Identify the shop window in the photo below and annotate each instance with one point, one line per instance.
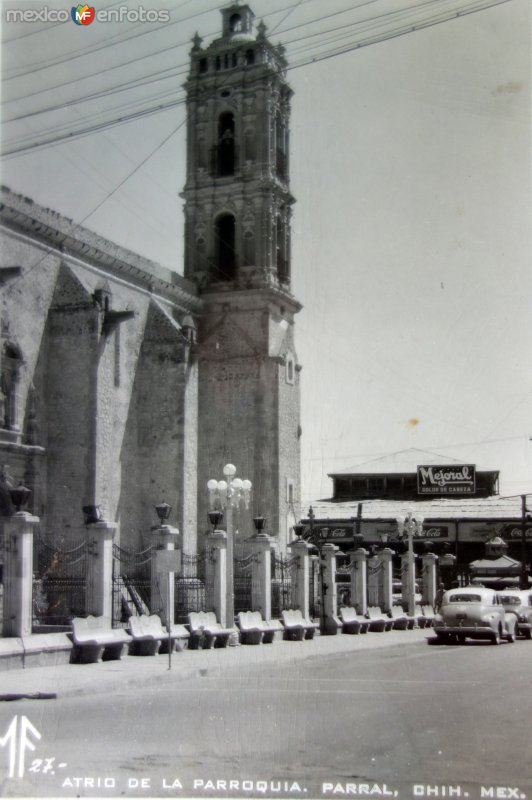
(375, 487)
(342, 487)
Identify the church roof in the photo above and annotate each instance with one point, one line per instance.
(402, 462)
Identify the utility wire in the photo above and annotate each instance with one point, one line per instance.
(22, 146)
(113, 41)
(143, 57)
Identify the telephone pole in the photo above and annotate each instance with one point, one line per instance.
(524, 572)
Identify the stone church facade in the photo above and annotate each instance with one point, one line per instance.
(123, 384)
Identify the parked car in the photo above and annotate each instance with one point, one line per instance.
(519, 603)
(473, 612)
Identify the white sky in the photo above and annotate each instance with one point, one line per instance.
(410, 162)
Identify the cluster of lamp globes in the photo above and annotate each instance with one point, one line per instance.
(229, 492)
(410, 524)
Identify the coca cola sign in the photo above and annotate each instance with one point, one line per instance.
(446, 479)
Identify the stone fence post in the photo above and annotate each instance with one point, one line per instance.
(18, 573)
(100, 573)
(164, 538)
(387, 579)
(330, 601)
(261, 574)
(216, 574)
(429, 561)
(359, 579)
(301, 549)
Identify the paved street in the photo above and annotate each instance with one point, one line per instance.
(416, 720)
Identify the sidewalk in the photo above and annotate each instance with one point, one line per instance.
(75, 679)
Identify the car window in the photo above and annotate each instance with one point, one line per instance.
(509, 600)
(464, 598)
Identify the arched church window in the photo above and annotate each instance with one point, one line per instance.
(9, 381)
(280, 154)
(226, 144)
(203, 65)
(217, 63)
(235, 23)
(234, 60)
(250, 57)
(281, 251)
(225, 266)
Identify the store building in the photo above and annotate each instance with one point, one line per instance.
(460, 504)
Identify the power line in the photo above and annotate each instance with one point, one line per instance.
(143, 57)
(114, 40)
(111, 41)
(21, 147)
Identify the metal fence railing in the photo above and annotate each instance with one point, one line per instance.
(283, 583)
(60, 570)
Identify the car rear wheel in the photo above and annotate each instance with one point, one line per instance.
(528, 634)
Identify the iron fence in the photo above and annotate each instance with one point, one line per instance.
(375, 577)
(193, 587)
(284, 572)
(242, 582)
(60, 570)
(132, 586)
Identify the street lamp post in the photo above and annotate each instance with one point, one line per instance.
(227, 495)
(525, 518)
(318, 537)
(412, 526)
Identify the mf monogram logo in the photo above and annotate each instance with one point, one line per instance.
(18, 740)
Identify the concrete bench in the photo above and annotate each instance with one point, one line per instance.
(150, 637)
(296, 627)
(400, 619)
(206, 631)
(352, 622)
(377, 620)
(428, 615)
(95, 639)
(420, 620)
(254, 629)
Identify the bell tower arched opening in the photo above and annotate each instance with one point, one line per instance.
(225, 255)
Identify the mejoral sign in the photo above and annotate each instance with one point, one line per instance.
(445, 479)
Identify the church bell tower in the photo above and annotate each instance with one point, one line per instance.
(237, 249)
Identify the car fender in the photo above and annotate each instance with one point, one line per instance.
(510, 621)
